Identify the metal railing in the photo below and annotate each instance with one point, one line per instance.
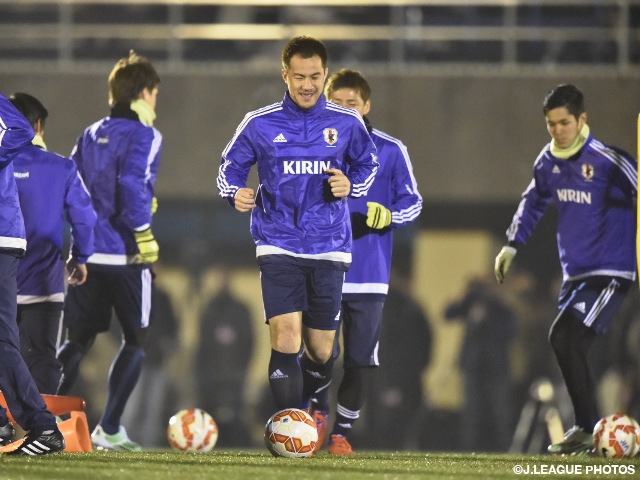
(508, 36)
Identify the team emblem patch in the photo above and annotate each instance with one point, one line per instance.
(330, 135)
(587, 171)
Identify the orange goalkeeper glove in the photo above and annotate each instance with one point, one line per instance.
(378, 216)
(147, 246)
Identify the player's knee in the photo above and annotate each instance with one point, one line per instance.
(285, 341)
(139, 338)
(320, 355)
(81, 338)
(560, 332)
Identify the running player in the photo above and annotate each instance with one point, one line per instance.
(299, 216)
(593, 187)
(392, 202)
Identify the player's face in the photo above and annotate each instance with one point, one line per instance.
(348, 97)
(564, 127)
(150, 96)
(305, 80)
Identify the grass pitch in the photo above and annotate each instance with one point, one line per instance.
(259, 464)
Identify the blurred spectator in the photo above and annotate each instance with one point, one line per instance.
(222, 362)
(487, 417)
(532, 355)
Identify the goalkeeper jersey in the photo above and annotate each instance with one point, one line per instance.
(396, 189)
(295, 213)
(118, 159)
(50, 190)
(594, 193)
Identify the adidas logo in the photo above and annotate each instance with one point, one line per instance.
(278, 374)
(555, 169)
(317, 375)
(280, 138)
(581, 307)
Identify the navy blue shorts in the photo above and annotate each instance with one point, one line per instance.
(361, 323)
(594, 300)
(315, 290)
(125, 290)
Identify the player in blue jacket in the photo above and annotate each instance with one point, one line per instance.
(302, 148)
(50, 189)
(118, 159)
(16, 383)
(392, 202)
(593, 187)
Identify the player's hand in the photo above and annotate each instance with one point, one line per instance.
(77, 272)
(245, 199)
(339, 182)
(503, 262)
(147, 246)
(378, 216)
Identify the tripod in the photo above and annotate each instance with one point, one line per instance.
(539, 420)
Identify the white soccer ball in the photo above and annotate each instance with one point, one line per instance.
(192, 430)
(291, 433)
(617, 436)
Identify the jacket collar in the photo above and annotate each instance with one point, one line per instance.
(294, 110)
(123, 110)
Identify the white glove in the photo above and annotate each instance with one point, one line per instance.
(503, 262)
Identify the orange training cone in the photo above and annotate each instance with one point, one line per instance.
(56, 404)
(76, 433)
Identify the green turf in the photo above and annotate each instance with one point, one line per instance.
(258, 464)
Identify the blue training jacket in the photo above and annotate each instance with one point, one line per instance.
(15, 133)
(396, 189)
(593, 192)
(118, 159)
(292, 147)
(50, 189)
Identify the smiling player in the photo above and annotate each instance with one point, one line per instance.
(302, 147)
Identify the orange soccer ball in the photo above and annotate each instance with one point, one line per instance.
(291, 433)
(617, 436)
(192, 430)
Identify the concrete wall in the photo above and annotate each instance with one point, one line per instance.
(471, 139)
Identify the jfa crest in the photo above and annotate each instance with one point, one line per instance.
(587, 171)
(330, 135)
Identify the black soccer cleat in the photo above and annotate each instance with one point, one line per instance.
(49, 441)
(6, 433)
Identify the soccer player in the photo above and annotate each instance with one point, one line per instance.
(118, 159)
(16, 383)
(302, 147)
(392, 202)
(593, 186)
(49, 188)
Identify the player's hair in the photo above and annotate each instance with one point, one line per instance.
(567, 96)
(345, 78)
(129, 77)
(30, 107)
(306, 47)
